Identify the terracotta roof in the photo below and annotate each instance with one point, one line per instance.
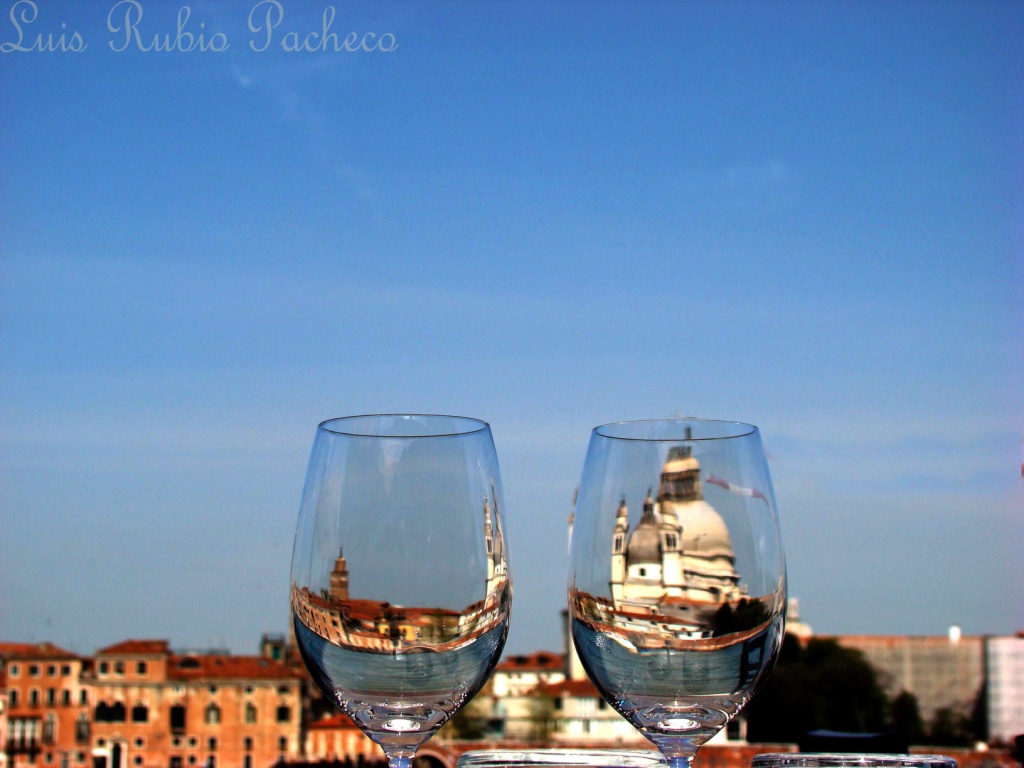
(541, 661)
(339, 721)
(581, 689)
(30, 651)
(227, 668)
(136, 647)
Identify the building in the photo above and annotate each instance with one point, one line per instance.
(337, 739)
(942, 672)
(47, 707)
(514, 690)
(155, 708)
(1004, 666)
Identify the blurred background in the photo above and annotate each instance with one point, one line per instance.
(807, 216)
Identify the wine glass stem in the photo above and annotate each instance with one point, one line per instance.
(680, 762)
(399, 761)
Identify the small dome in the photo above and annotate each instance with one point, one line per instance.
(644, 544)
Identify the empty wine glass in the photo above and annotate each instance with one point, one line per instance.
(848, 760)
(677, 584)
(400, 591)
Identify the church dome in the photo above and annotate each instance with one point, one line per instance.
(704, 532)
(644, 544)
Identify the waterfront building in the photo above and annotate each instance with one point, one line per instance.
(155, 708)
(942, 671)
(337, 739)
(1004, 666)
(513, 691)
(47, 707)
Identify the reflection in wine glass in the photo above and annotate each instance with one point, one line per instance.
(677, 612)
(400, 587)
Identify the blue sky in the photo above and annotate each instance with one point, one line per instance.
(548, 215)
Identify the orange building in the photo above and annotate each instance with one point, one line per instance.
(47, 707)
(338, 739)
(158, 709)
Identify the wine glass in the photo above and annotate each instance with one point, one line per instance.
(677, 584)
(400, 590)
(848, 760)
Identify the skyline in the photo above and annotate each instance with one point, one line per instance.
(806, 217)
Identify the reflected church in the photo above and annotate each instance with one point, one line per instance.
(379, 627)
(678, 562)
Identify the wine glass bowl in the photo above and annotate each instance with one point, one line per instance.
(677, 586)
(400, 590)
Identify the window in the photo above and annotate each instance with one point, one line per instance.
(247, 743)
(178, 719)
(176, 761)
(12, 698)
(82, 729)
(49, 729)
(33, 697)
(51, 696)
(283, 690)
(211, 761)
(211, 744)
(104, 667)
(282, 744)
(250, 714)
(140, 668)
(247, 762)
(284, 714)
(139, 742)
(110, 713)
(83, 697)
(15, 670)
(137, 760)
(80, 757)
(212, 714)
(213, 689)
(191, 759)
(140, 714)
(51, 670)
(33, 670)
(65, 697)
(65, 669)
(48, 758)
(118, 667)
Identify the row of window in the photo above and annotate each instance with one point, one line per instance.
(118, 713)
(14, 670)
(27, 728)
(176, 760)
(104, 667)
(53, 696)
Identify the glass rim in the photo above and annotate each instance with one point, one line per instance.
(335, 426)
(739, 429)
(611, 758)
(840, 759)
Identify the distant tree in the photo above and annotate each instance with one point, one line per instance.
(469, 723)
(818, 686)
(748, 614)
(950, 728)
(542, 717)
(905, 718)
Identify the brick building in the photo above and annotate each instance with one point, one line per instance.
(156, 708)
(47, 707)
